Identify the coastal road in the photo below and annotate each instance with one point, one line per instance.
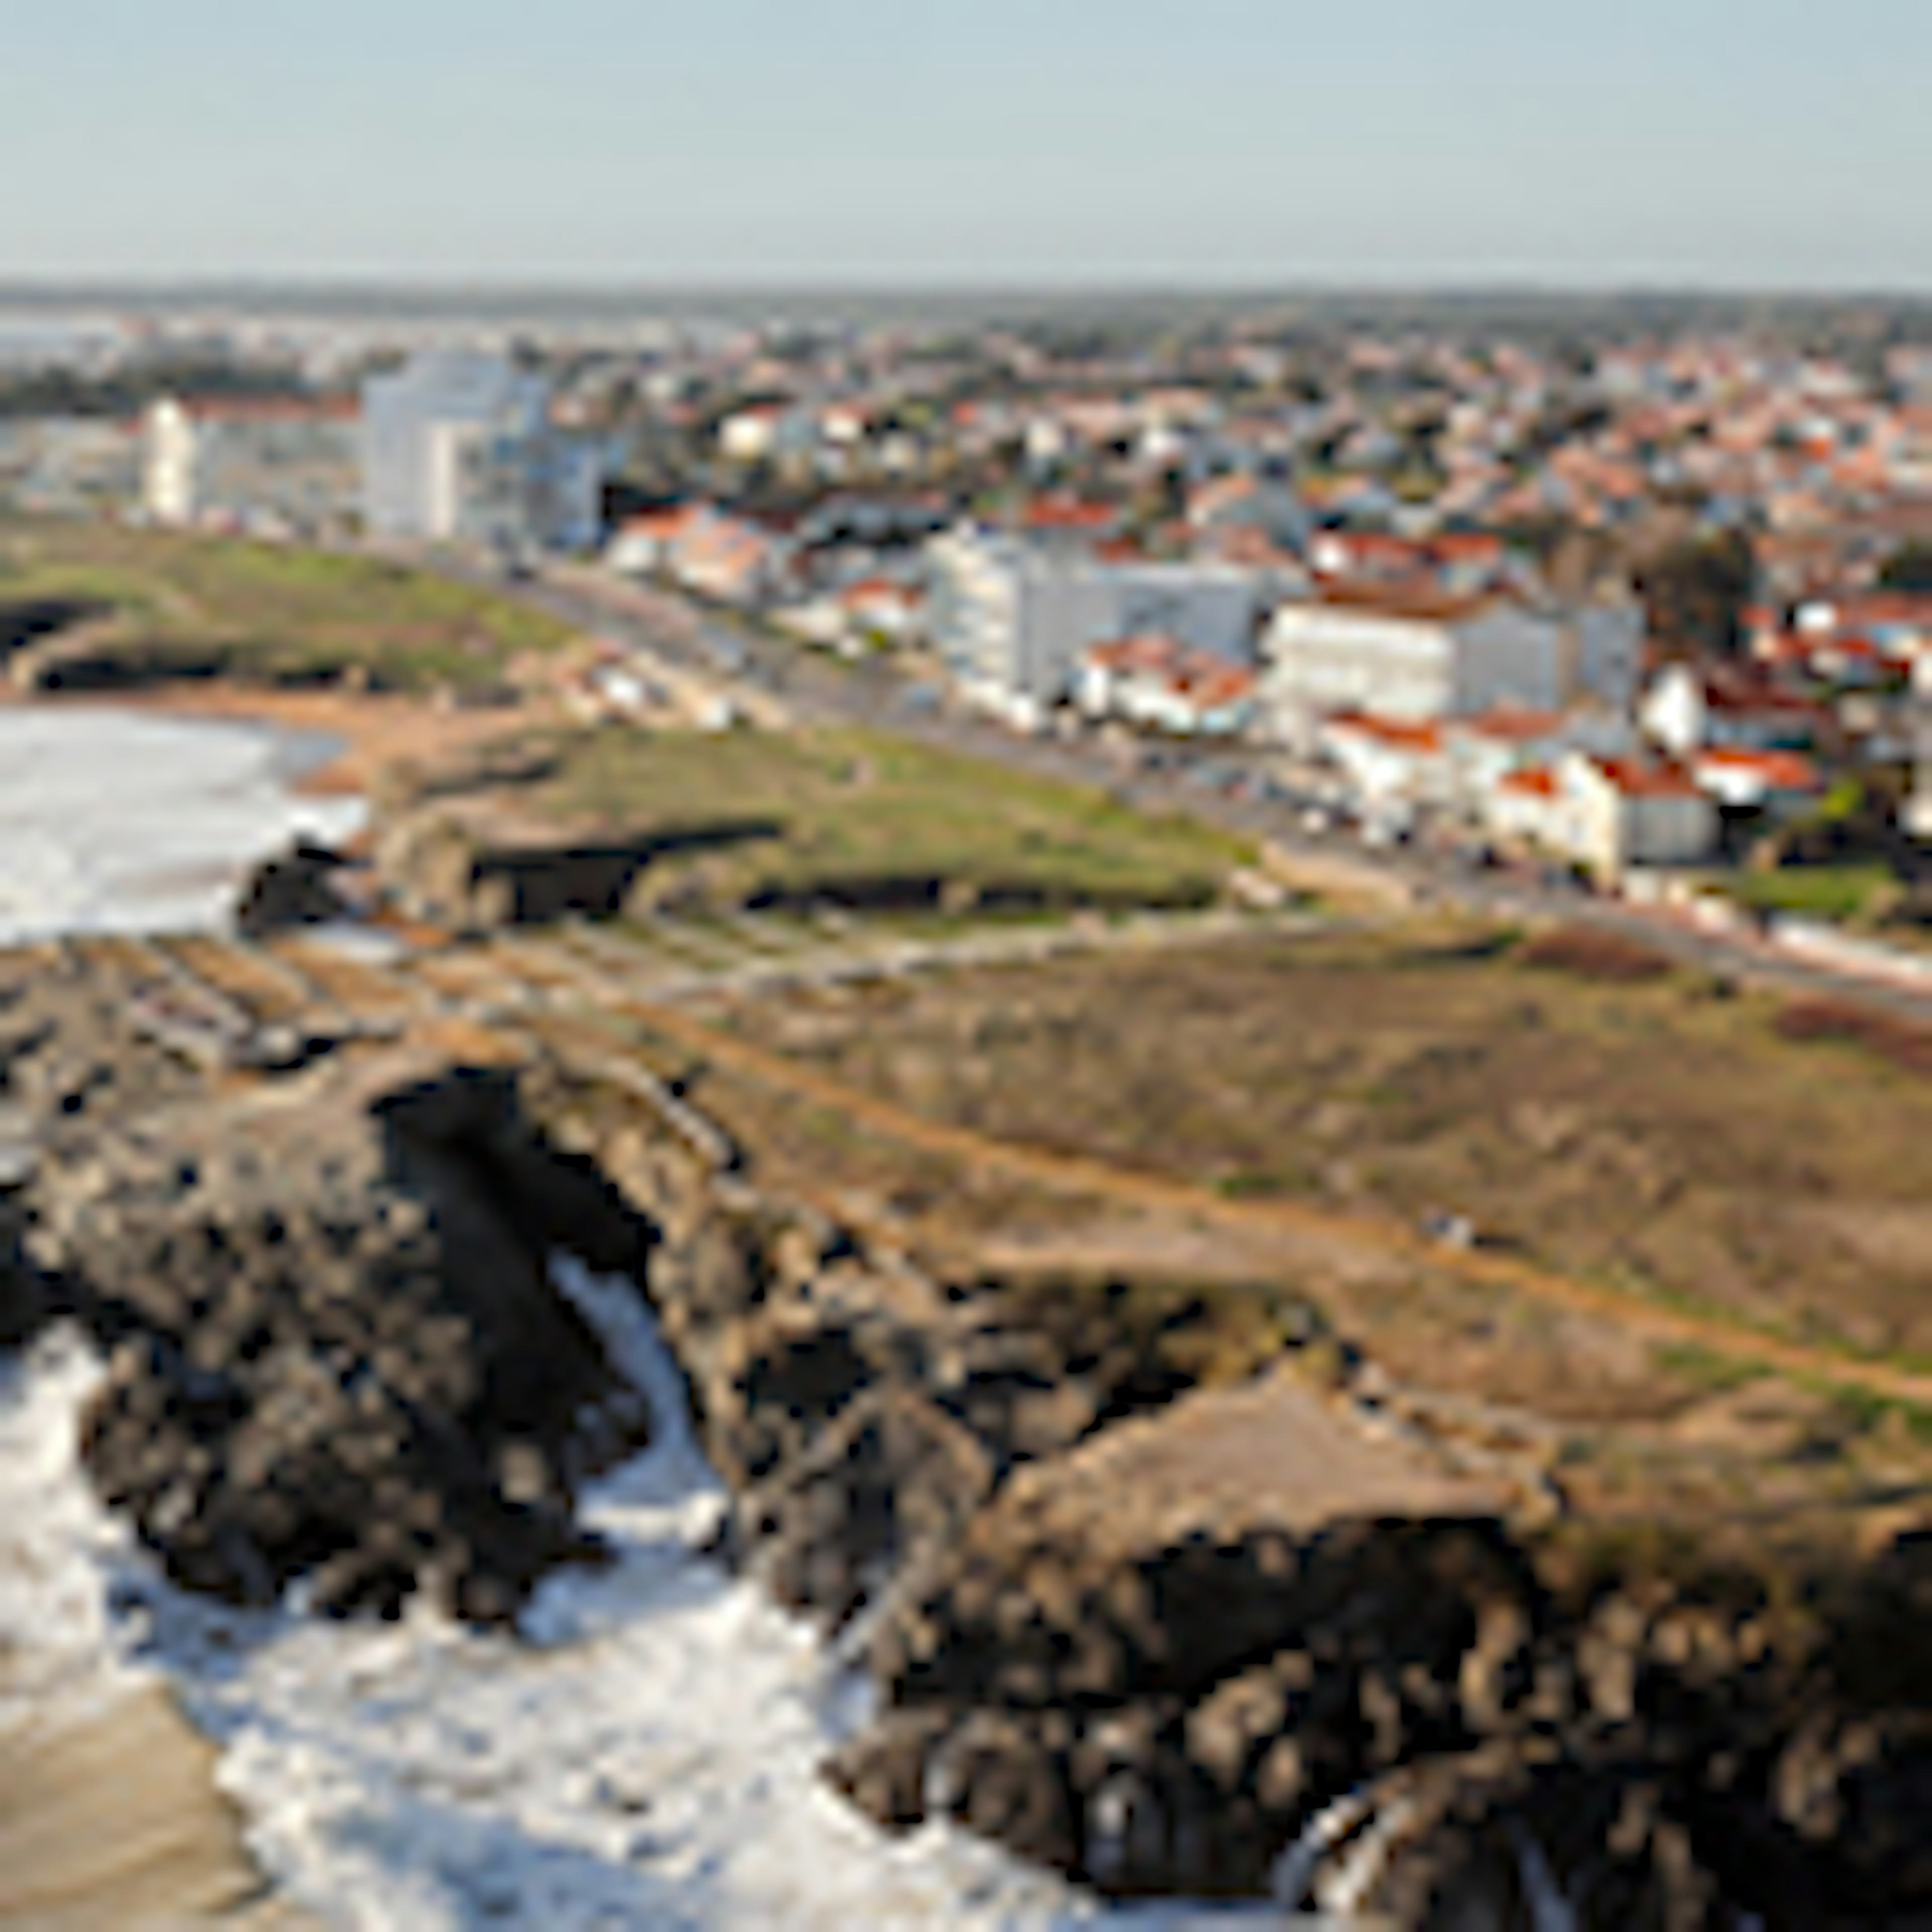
(817, 689)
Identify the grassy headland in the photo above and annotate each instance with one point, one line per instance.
(723, 820)
(158, 605)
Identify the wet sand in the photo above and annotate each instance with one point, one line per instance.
(112, 1823)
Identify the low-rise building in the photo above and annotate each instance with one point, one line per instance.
(706, 549)
(882, 607)
(1629, 811)
(1394, 655)
(69, 466)
(1607, 815)
(1013, 620)
(1742, 780)
(1483, 752)
(1388, 764)
(1157, 682)
(1688, 708)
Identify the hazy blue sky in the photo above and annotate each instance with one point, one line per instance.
(1781, 141)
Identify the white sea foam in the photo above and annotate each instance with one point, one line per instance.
(645, 1755)
(118, 821)
(59, 1547)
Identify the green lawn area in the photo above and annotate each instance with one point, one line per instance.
(1844, 894)
(833, 812)
(268, 611)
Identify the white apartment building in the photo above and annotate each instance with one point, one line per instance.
(1014, 621)
(287, 464)
(1418, 662)
(168, 450)
(1606, 814)
(459, 446)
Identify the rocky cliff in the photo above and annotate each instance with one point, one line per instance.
(1155, 1586)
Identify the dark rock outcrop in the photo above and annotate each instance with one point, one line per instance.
(1171, 1630)
(335, 1351)
(1145, 1598)
(296, 888)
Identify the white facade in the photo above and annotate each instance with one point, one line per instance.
(750, 435)
(1674, 714)
(1324, 658)
(1618, 826)
(1683, 713)
(168, 463)
(459, 446)
(1607, 814)
(1387, 766)
(1482, 752)
(1013, 623)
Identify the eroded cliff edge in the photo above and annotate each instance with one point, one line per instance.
(1148, 1580)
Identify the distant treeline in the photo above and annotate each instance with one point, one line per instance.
(126, 392)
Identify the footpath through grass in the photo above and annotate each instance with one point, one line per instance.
(1661, 1132)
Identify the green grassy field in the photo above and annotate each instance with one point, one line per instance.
(845, 814)
(268, 612)
(1845, 894)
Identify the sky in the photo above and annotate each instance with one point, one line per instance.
(1723, 143)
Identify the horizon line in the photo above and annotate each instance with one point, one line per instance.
(34, 285)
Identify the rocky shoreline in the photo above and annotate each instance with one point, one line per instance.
(1151, 1594)
(1089, 1651)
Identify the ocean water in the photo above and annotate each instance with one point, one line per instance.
(118, 821)
(643, 1753)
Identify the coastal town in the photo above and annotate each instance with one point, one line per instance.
(1642, 605)
(907, 1114)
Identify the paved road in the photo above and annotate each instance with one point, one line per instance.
(819, 689)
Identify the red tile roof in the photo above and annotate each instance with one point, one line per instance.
(1536, 783)
(1635, 779)
(1069, 513)
(1512, 725)
(1395, 733)
(1779, 771)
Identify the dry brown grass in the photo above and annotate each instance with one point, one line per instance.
(1591, 953)
(1634, 1132)
(1898, 1041)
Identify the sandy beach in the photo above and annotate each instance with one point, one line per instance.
(112, 1821)
(371, 730)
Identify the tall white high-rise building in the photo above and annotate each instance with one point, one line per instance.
(170, 448)
(458, 446)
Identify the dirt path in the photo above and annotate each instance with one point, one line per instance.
(1384, 1237)
(1377, 1241)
